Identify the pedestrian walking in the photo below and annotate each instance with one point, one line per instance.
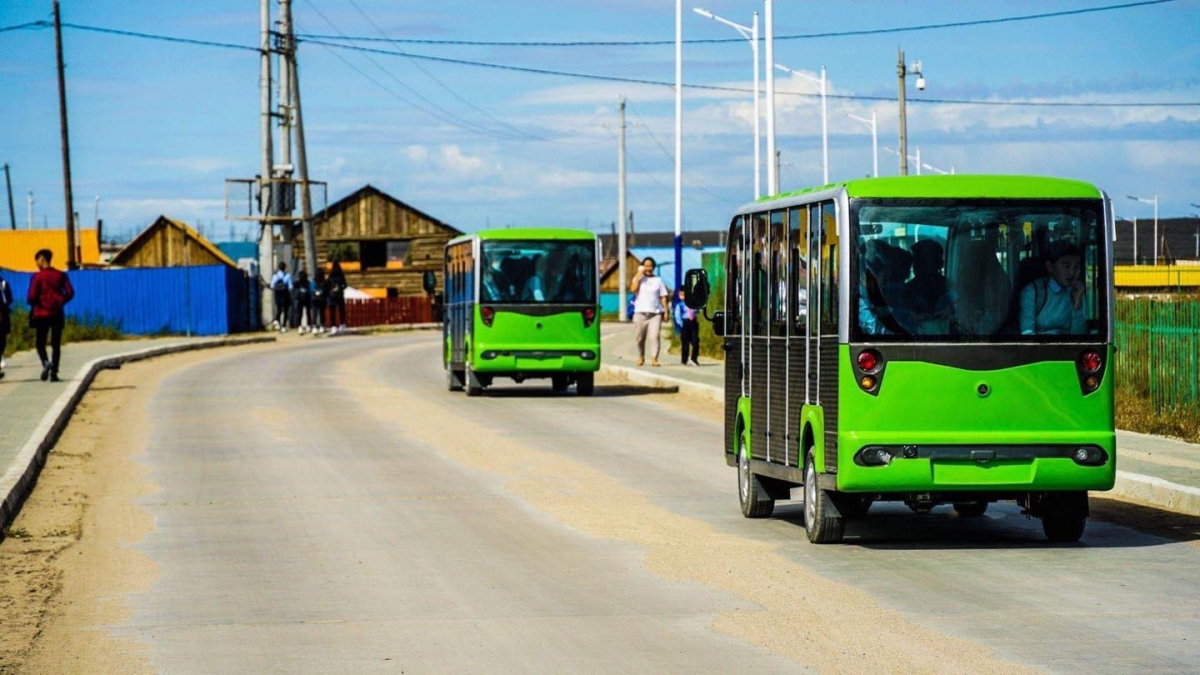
(320, 299)
(49, 292)
(688, 327)
(281, 286)
(6, 301)
(649, 306)
(302, 302)
(337, 299)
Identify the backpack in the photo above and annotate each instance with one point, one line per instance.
(280, 284)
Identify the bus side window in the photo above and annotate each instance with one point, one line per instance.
(778, 288)
(829, 273)
(798, 268)
(733, 279)
(814, 262)
(759, 278)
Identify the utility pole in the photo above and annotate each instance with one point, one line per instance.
(621, 243)
(66, 143)
(679, 140)
(12, 214)
(903, 71)
(769, 19)
(266, 241)
(293, 108)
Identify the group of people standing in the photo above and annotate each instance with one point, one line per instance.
(300, 302)
(650, 305)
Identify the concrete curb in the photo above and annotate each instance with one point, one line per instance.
(1131, 487)
(1151, 491)
(21, 476)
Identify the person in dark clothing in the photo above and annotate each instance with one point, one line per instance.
(301, 302)
(6, 300)
(688, 326)
(319, 300)
(49, 292)
(337, 299)
(281, 285)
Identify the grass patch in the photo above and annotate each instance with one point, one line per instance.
(1136, 413)
(85, 329)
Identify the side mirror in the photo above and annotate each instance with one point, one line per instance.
(429, 282)
(718, 323)
(695, 285)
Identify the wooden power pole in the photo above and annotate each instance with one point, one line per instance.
(69, 207)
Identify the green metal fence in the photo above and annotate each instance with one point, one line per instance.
(1158, 357)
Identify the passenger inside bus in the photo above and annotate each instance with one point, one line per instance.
(980, 287)
(497, 286)
(1053, 304)
(882, 308)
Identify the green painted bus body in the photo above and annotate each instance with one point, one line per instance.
(523, 340)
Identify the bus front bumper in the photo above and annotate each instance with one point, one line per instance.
(534, 360)
(1089, 464)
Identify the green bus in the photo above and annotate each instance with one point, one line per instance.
(925, 339)
(522, 304)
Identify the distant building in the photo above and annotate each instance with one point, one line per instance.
(169, 243)
(383, 244)
(17, 248)
(1179, 241)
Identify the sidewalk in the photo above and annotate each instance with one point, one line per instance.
(33, 412)
(1153, 470)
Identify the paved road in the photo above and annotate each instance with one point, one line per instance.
(331, 508)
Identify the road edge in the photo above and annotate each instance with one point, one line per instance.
(1130, 487)
(20, 477)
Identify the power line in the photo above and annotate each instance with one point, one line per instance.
(654, 83)
(799, 36)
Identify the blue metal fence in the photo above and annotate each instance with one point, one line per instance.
(209, 300)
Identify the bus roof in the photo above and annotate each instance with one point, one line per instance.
(958, 186)
(528, 234)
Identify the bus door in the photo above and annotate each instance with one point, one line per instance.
(777, 349)
(735, 335)
(823, 331)
(797, 330)
(758, 325)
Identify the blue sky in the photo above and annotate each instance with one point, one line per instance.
(156, 126)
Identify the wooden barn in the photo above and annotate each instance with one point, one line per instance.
(169, 243)
(383, 244)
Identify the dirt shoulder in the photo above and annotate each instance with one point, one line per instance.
(69, 557)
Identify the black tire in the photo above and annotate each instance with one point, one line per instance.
(585, 384)
(970, 509)
(1064, 516)
(559, 383)
(821, 526)
(471, 383)
(754, 499)
(454, 380)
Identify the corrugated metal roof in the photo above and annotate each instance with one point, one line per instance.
(17, 248)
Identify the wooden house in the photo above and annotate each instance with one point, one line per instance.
(169, 243)
(383, 244)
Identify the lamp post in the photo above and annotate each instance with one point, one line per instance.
(678, 141)
(904, 71)
(1155, 203)
(824, 115)
(874, 139)
(1197, 231)
(769, 20)
(751, 34)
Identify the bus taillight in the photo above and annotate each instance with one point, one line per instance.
(868, 360)
(1090, 361)
(1090, 368)
(589, 316)
(487, 314)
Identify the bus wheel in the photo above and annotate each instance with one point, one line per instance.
(472, 385)
(1064, 516)
(585, 384)
(755, 501)
(454, 380)
(559, 382)
(821, 526)
(970, 509)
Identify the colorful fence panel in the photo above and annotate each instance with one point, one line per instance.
(388, 311)
(209, 300)
(1158, 357)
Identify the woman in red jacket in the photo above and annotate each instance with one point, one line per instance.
(49, 291)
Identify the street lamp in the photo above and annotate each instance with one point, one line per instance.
(824, 115)
(751, 34)
(874, 139)
(1155, 203)
(904, 71)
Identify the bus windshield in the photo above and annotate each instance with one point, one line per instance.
(538, 272)
(977, 270)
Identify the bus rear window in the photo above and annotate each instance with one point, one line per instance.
(538, 272)
(977, 270)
